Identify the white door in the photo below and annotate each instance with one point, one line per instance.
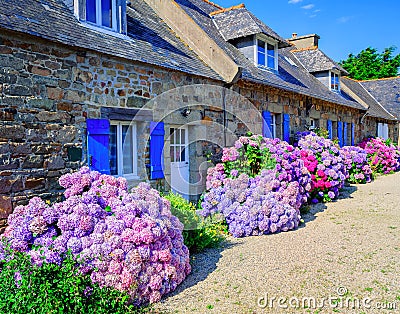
(179, 152)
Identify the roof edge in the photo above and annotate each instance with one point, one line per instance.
(379, 79)
(223, 10)
(214, 4)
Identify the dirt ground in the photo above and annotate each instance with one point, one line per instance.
(345, 258)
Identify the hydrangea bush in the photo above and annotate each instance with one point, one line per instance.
(358, 168)
(253, 199)
(127, 241)
(382, 155)
(250, 206)
(324, 161)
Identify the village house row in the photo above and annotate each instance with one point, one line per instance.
(153, 89)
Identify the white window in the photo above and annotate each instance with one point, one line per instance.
(335, 83)
(102, 13)
(266, 54)
(178, 149)
(123, 149)
(383, 130)
(312, 124)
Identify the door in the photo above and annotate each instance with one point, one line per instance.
(179, 152)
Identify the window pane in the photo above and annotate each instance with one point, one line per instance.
(172, 153)
(171, 136)
(91, 11)
(177, 136)
(271, 62)
(261, 46)
(271, 50)
(106, 13)
(183, 153)
(261, 58)
(113, 150)
(183, 139)
(127, 149)
(177, 154)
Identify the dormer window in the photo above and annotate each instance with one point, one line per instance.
(266, 54)
(102, 13)
(335, 83)
(108, 16)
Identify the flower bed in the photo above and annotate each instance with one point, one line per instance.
(259, 187)
(382, 155)
(325, 163)
(358, 168)
(127, 241)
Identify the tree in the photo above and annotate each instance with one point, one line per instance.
(369, 64)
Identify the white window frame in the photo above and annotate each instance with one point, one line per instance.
(120, 159)
(312, 124)
(383, 130)
(267, 41)
(334, 73)
(113, 16)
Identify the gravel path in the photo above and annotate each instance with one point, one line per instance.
(348, 250)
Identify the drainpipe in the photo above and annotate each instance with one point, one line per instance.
(363, 117)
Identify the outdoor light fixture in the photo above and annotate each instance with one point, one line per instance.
(185, 112)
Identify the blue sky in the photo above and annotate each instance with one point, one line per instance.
(345, 26)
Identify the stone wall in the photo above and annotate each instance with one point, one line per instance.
(369, 128)
(47, 92)
(296, 105)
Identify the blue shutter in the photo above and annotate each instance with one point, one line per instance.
(352, 134)
(98, 131)
(329, 127)
(267, 124)
(157, 133)
(286, 127)
(340, 132)
(345, 142)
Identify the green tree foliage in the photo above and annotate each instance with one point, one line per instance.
(370, 64)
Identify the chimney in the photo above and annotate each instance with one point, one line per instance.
(306, 41)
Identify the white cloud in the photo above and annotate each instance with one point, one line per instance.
(316, 11)
(308, 6)
(294, 1)
(344, 19)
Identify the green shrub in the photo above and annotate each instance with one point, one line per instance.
(198, 234)
(27, 288)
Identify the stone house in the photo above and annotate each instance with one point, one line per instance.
(386, 92)
(147, 89)
(378, 120)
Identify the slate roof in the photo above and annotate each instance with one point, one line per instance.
(315, 60)
(387, 92)
(149, 39)
(375, 108)
(288, 77)
(239, 22)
